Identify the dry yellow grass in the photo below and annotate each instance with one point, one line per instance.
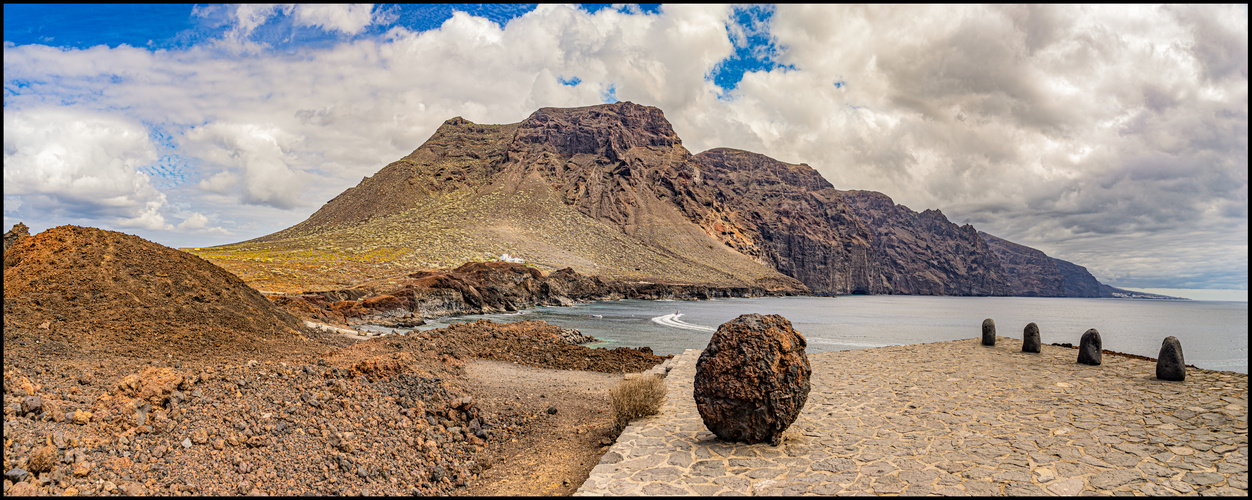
(636, 397)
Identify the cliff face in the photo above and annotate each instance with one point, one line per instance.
(785, 216)
(926, 254)
(1030, 273)
(1080, 283)
(610, 191)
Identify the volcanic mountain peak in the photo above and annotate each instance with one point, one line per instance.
(607, 130)
(609, 190)
(589, 188)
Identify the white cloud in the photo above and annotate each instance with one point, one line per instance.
(1053, 126)
(249, 16)
(349, 19)
(73, 160)
(194, 221)
(260, 155)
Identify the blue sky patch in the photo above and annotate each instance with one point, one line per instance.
(755, 48)
(641, 8)
(161, 26)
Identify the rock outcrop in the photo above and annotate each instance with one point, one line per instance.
(18, 231)
(1080, 283)
(478, 288)
(785, 216)
(1031, 273)
(753, 379)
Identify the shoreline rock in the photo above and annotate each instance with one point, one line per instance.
(483, 288)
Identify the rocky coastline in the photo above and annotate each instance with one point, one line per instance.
(483, 288)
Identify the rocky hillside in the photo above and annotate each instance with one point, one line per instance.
(610, 191)
(1029, 272)
(88, 289)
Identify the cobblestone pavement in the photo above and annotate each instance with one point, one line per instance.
(955, 418)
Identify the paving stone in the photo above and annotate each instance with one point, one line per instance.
(1067, 488)
(826, 489)
(1112, 479)
(1023, 489)
(662, 489)
(1203, 478)
(982, 488)
(764, 473)
(912, 420)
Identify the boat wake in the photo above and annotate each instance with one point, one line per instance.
(672, 320)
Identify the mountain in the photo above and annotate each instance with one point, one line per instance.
(610, 191)
(925, 254)
(1031, 273)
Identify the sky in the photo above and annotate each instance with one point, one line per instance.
(1114, 137)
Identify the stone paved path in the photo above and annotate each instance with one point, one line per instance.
(955, 418)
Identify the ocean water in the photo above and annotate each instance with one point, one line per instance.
(1214, 335)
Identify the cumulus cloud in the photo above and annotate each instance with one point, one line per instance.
(349, 19)
(194, 221)
(254, 160)
(1090, 132)
(65, 160)
(249, 16)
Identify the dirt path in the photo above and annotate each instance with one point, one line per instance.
(557, 451)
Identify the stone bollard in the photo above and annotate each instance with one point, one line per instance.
(1089, 349)
(753, 379)
(1169, 363)
(988, 332)
(1030, 338)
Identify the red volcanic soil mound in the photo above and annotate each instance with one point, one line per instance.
(87, 290)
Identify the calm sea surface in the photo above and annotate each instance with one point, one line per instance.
(1214, 335)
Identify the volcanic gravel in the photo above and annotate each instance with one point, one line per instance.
(117, 380)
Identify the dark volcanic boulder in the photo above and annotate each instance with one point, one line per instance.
(1089, 349)
(1169, 363)
(1030, 338)
(753, 379)
(988, 332)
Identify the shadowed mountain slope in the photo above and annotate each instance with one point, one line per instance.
(926, 254)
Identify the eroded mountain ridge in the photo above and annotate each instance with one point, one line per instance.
(609, 190)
